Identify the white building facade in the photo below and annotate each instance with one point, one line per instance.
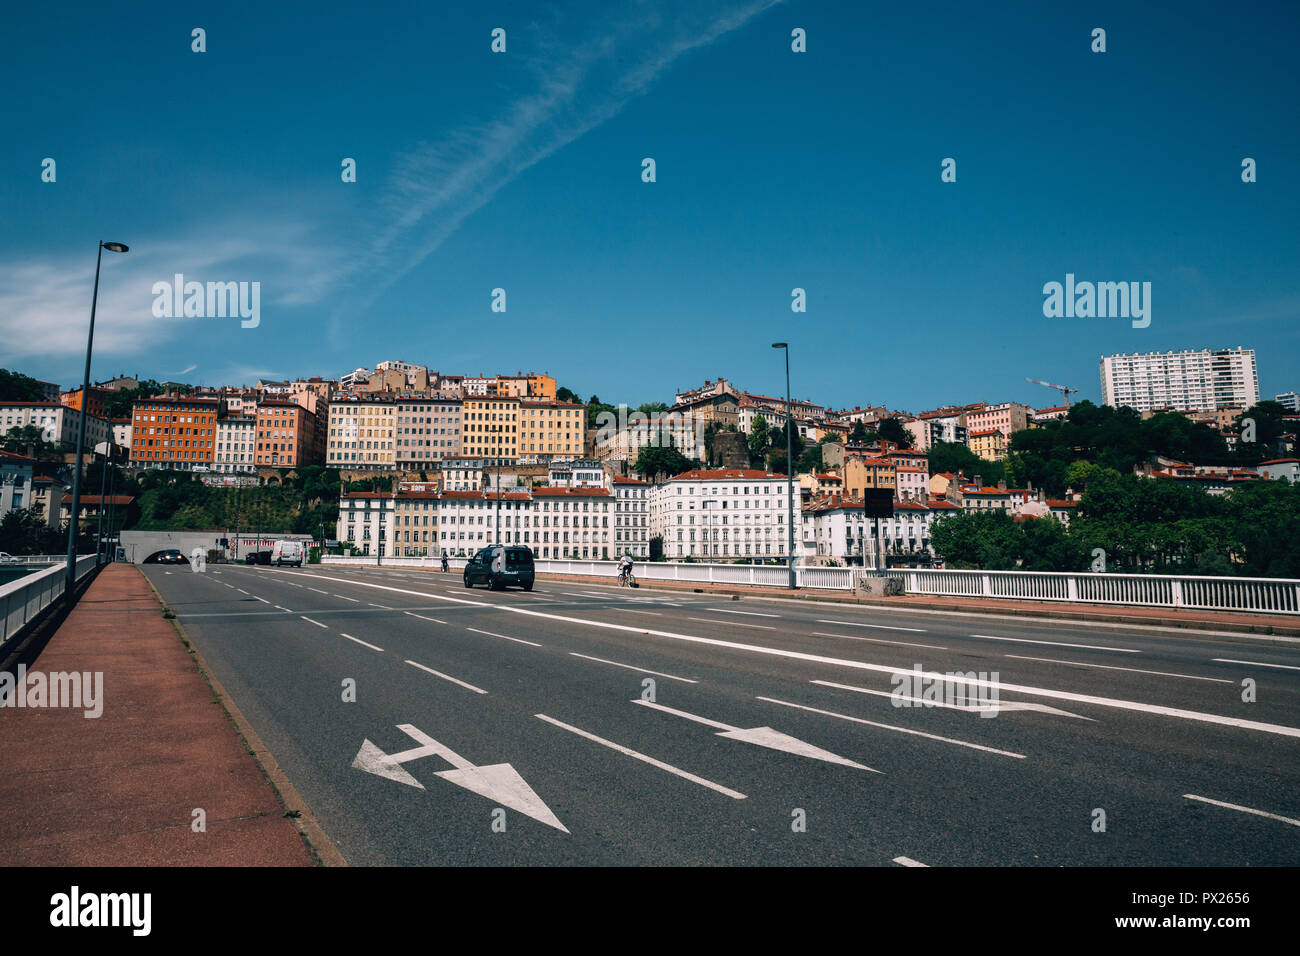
(1190, 380)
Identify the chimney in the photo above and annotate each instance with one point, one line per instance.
(978, 481)
(1002, 484)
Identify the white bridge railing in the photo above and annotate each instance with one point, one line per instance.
(1263, 595)
(23, 599)
(1260, 595)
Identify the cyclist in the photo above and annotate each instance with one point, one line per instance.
(624, 569)
(445, 565)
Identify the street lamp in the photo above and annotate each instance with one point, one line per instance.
(70, 580)
(789, 456)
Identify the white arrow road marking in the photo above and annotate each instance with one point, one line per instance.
(763, 737)
(734, 794)
(499, 782)
(993, 708)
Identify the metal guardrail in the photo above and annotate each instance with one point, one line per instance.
(21, 601)
(1258, 595)
(20, 559)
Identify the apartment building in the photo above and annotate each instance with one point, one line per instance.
(490, 428)
(176, 432)
(362, 433)
(989, 444)
(236, 441)
(286, 435)
(835, 527)
(94, 401)
(1007, 418)
(1190, 380)
(462, 474)
(622, 442)
(58, 423)
(366, 520)
(862, 472)
(16, 475)
(631, 517)
(427, 432)
(415, 523)
(722, 514)
(944, 425)
(550, 430)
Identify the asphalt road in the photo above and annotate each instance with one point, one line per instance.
(770, 734)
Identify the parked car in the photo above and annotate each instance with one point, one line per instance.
(499, 567)
(7, 558)
(258, 557)
(287, 552)
(170, 556)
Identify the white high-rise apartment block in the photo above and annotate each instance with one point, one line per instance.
(1191, 380)
(1288, 400)
(722, 514)
(236, 438)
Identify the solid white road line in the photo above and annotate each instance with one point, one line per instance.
(642, 670)
(1228, 660)
(1234, 722)
(310, 621)
(882, 627)
(343, 597)
(878, 640)
(633, 610)
(908, 861)
(1009, 706)
(1233, 806)
(734, 794)
(723, 610)
(423, 618)
(1112, 667)
(714, 620)
(901, 730)
(477, 690)
(386, 607)
(360, 641)
(1026, 640)
(517, 640)
(278, 608)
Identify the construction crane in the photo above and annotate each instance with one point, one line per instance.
(1065, 390)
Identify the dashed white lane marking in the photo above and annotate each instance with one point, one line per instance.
(517, 640)
(343, 597)
(734, 794)
(878, 640)
(310, 621)
(278, 608)
(477, 690)
(723, 610)
(714, 620)
(633, 610)
(318, 590)
(262, 599)
(364, 643)
(1112, 667)
(880, 627)
(643, 670)
(1026, 640)
(1233, 806)
(423, 618)
(901, 730)
(908, 861)
(384, 606)
(1234, 722)
(1228, 660)
(241, 590)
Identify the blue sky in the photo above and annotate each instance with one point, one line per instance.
(775, 170)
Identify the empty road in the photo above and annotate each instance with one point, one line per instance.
(425, 723)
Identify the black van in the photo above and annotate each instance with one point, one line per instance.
(498, 567)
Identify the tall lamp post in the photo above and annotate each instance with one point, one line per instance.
(789, 457)
(70, 579)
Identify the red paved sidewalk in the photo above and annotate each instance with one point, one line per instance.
(119, 790)
(1262, 624)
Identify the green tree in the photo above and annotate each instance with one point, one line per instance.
(17, 387)
(891, 429)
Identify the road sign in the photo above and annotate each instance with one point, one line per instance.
(500, 783)
(878, 502)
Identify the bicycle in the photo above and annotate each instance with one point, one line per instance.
(626, 579)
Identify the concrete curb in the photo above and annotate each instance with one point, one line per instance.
(318, 843)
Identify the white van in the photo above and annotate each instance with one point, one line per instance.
(287, 552)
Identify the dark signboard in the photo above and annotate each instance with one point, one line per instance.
(878, 502)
